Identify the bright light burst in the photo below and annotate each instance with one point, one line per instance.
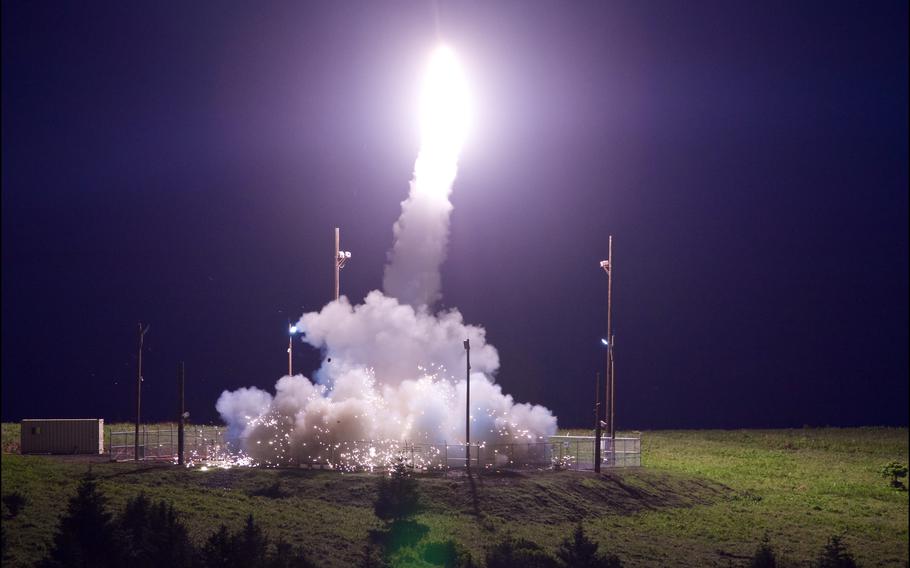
(445, 119)
(445, 106)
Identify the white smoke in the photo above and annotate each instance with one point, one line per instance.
(389, 375)
(393, 372)
(421, 234)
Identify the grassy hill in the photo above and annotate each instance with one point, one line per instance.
(702, 498)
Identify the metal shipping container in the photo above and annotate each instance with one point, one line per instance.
(62, 436)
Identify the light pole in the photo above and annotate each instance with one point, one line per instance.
(607, 265)
(142, 332)
(467, 407)
(292, 329)
(597, 422)
(341, 257)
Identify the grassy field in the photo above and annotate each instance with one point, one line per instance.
(702, 498)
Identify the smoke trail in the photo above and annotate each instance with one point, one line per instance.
(422, 231)
(392, 371)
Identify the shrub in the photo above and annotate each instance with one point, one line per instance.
(14, 502)
(397, 496)
(511, 553)
(372, 557)
(764, 556)
(896, 471)
(578, 551)
(446, 554)
(287, 556)
(835, 555)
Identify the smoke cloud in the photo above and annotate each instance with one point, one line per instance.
(388, 376)
(393, 372)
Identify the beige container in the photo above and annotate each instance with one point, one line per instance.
(62, 436)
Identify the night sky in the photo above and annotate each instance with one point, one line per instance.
(184, 163)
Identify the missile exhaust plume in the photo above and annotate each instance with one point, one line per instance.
(422, 231)
(393, 371)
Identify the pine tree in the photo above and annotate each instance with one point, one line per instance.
(835, 555)
(251, 545)
(3, 543)
(86, 536)
(155, 536)
(398, 495)
(169, 540)
(287, 556)
(579, 551)
(219, 550)
(764, 556)
(134, 524)
(511, 553)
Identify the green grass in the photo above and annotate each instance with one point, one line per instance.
(703, 498)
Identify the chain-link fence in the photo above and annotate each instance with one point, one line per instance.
(200, 443)
(559, 453)
(204, 444)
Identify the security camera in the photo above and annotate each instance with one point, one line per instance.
(605, 264)
(347, 254)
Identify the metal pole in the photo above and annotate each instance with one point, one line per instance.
(597, 423)
(291, 354)
(335, 260)
(181, 381)
(610, 333)
(467, 411)
(138, 393)
(612, 390)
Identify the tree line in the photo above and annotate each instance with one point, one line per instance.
(147, 534)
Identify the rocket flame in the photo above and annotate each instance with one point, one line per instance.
(445, 108)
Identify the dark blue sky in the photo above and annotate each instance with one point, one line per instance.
(183, 164)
